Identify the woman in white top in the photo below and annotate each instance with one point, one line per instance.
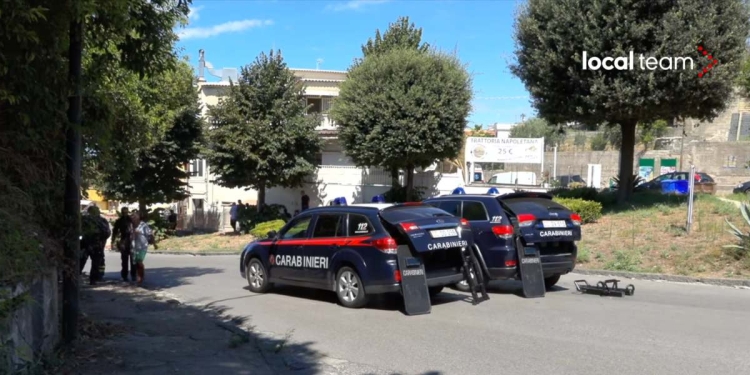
(141, 237)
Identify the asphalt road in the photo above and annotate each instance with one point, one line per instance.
(665, 328)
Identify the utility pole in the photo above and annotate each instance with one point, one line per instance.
(73, 158)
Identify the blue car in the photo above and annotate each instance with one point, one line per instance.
(352, 250)
(501, 223)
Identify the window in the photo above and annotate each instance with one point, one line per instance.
(197, 204)
(329, 226)
(196, 168)
(452, 207)
(298, 229)
(359, 225)
(474, 211)
(315, 105)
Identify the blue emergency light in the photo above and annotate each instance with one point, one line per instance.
(458, 190)
(378, 199)
(493, 190)
(341, 201)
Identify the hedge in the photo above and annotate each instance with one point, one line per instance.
(262, 229)
(588, 210)
(585, 193)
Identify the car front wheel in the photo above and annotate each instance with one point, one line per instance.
(257, 277)
(349, 288)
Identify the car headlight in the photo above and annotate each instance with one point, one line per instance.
(739, 185)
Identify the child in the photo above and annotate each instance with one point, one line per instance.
(141, 239)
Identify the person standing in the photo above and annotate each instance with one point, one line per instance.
(234, 213)
(95, 230)
(142, 237)
(123, 234)
(305, 201)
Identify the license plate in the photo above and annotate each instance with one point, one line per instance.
(554, 224)
(442, 233)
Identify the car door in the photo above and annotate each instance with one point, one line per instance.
(288, 251)
(328, 236)
(476, 213)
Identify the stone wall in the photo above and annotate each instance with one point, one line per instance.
(725, 161)
(33, 329)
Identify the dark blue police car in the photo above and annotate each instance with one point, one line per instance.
(352, 250)
(502, 223)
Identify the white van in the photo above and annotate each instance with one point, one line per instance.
(513, 178)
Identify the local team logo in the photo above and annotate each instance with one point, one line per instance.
(272, 260)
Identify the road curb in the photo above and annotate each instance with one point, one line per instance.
(663, 277)
(194, 253)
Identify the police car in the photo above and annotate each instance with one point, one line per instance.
(352, 250)
(501, 223)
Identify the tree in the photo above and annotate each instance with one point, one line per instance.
(403, 109)
(400, 34)
(260, 135)
(168, 110)
(538, 128)
(551, 36)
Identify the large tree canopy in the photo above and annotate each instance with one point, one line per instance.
(260, 135)
(403, 109)
(552, 35)
(162, 134)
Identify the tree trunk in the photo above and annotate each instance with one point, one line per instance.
(409, 182)
(394, 177)
(142, 211)
(261, 197)
(72, 204)
(627, 156)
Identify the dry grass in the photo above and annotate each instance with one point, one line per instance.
(654, 240)
(208, 243)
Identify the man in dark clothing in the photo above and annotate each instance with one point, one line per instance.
(123, 234)
(172, 219)
(95, 230)
(305, 201)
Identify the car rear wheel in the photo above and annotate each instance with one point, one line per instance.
(257, 277)
(551, 281)
(435, 290)
(349, 288)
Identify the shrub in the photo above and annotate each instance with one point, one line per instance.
(742, 247)
(576, 185)
(588, 210)
(397, 194)
(585, 193)
(249, 217)
(262, 229)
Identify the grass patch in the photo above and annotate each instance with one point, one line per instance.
(205, 243)
(738, 197)
(650, 235)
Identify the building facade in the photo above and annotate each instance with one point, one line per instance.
(336, 176)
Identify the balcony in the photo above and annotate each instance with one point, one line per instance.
(326, 123)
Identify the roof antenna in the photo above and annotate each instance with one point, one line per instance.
(317, 63)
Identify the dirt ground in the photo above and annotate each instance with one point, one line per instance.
(655, 240)
(212, 242)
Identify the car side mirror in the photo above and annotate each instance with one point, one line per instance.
(272, 234)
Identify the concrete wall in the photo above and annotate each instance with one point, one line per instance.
(33, 330)
(724, 161)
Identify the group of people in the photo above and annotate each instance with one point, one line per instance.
(235, 211)
(131, 236)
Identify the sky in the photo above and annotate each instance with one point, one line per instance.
(234, 32)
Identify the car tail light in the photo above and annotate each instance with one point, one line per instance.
(387, 245)
(464, 222)
(576, 219)
(503, 231)
(526, 220)
(397, 276)
(408, 227)
(511, 263)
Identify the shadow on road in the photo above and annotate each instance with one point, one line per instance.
(129, 330)
(385, 302)
(165, 277)
(515, 287)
